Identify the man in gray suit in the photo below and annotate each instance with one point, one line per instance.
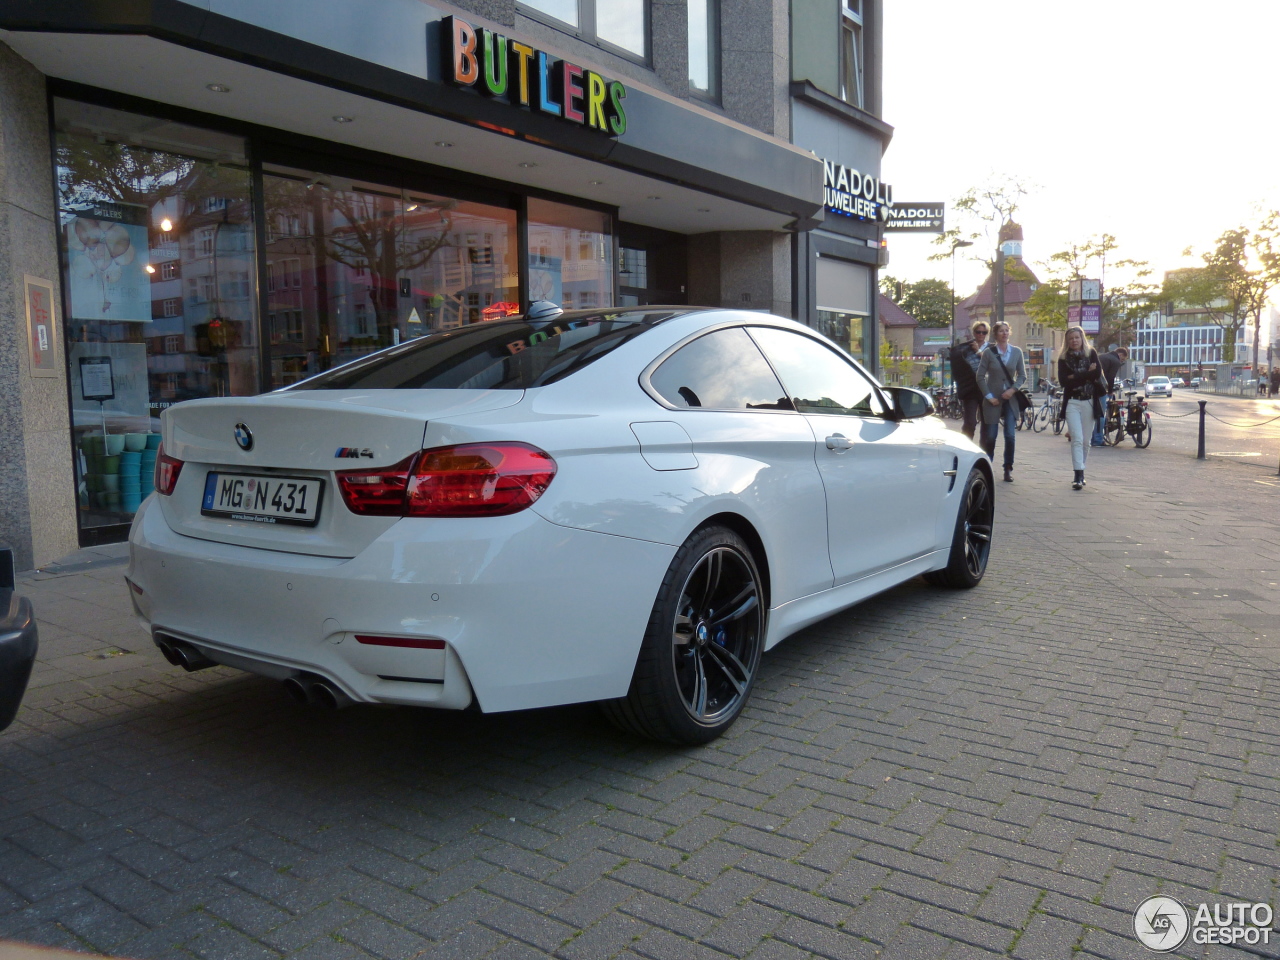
(1001, 373)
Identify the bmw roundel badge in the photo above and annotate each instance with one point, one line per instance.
(244, 439)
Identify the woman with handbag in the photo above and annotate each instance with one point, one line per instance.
(1080, 373)
(1001, 375)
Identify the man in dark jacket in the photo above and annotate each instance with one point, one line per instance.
(964, 368)
(1112, 362)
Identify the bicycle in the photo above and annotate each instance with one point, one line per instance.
(1050, 412)
(1128, 417)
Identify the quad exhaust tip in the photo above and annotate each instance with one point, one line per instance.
(316, 691)
(183, 655)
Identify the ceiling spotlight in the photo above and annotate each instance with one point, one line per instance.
(596, 183)
(411, 207)
(149, 268)
(443, 143)
(166, 224)
(217, 87)
(339, 118)
(527, 164)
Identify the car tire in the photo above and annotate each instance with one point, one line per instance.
(701, 650)
(971, 542)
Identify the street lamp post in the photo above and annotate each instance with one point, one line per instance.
(951, 320)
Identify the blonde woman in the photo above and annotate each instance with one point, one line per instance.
(1080, 374)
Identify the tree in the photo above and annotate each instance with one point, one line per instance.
(980, 213)
(928, 300)
(1233, 285)
(1123, 304)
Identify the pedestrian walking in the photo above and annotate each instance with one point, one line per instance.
(1001, 374)
(1275, 380)
(1083, 386)
(964, 374)
(1111, 362)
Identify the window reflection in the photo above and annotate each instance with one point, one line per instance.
(570, 255)
(355, 267)
(622, 23)
(157, 240)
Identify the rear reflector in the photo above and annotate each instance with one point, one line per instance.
(467, 480)
(415, 643)
(167, 470)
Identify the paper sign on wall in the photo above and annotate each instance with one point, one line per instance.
(42, 333)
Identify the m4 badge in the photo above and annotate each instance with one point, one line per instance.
(353, 453)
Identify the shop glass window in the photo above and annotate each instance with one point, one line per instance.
(704, 48)
(355, 267)
(143, 205)
(570, 255)
(623, 24)
(721, 371)
(817, 378)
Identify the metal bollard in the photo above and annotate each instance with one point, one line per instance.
(1200, 450)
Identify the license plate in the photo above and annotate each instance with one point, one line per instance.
(260, 499)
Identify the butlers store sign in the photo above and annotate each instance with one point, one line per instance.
(527, 78)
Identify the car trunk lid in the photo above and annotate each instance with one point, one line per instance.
(309, 435)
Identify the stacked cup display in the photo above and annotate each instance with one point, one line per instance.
(102, 473)
(131, 472)
(148, 467)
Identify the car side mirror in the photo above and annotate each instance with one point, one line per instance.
(909, 404)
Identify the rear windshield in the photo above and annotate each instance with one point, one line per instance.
(490, 356)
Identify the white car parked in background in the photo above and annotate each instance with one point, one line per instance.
(628, 506)
(1158, 387)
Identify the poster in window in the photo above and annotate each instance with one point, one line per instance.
(42, 335)
(546, 278)
(108, 253)
(127, 410)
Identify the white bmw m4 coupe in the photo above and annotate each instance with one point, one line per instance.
(629, 506)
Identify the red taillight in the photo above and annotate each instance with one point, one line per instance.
(167, 470)
(376, 493)
(467, 480)
(478, 480)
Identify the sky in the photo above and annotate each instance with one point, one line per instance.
(1153, 120)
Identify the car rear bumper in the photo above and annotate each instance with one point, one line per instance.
(531, 614)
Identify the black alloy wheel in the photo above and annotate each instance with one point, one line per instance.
(701, 652)
(971, 542)
(716, 636)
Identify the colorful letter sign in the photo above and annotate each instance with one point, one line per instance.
(506, 69)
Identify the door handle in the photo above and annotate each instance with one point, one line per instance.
(838, 442)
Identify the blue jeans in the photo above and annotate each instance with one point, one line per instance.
(1009, 416)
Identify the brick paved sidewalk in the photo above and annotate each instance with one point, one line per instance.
(1007, 771)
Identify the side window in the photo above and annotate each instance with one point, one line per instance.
(721, 371)
(818, 379)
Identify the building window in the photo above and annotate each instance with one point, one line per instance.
(622, 24)
(851, 87)
(205, 237)
(173, 343)
(169, 270)
(704, 48)
(173, 307)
